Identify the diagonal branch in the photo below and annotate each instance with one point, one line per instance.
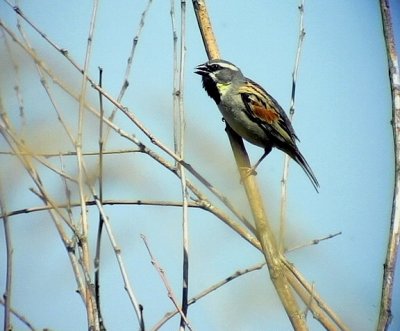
(166, 282)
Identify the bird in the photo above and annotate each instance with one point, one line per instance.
(251, 111)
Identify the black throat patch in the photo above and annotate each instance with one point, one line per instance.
(211, 89)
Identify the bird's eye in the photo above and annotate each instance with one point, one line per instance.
(215, 67)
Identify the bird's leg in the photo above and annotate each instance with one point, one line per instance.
(252, 170)
(266, 152)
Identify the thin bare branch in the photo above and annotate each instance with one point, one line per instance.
(101, 221)
(73, 153)
(7, 296)
(313, 242)
(117, 251)
(306, 291)
(385, 314)
(175, 70)
(105, 202)
(207, 291)
(17, 84)
(91, 306)
(19, 316)
(181, 149)
(128, 69)
(283, 207)
(45, 84)
(132, 54)
(165, 281)
(67, 194)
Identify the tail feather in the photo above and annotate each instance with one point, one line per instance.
(299, 158)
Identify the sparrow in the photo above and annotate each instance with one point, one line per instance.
(251, 111)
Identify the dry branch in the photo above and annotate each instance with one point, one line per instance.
(385, 315)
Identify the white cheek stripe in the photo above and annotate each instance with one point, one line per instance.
(212, 75)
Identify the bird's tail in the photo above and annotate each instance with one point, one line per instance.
(299, 158)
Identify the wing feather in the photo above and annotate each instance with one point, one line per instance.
(263, 108)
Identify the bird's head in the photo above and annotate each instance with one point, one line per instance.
(217, 76)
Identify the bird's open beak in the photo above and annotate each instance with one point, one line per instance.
(202, 69)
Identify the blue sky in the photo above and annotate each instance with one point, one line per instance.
(343, 112)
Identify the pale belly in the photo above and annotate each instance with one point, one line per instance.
(244, 127)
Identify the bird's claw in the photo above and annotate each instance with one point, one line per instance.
(246, 172)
